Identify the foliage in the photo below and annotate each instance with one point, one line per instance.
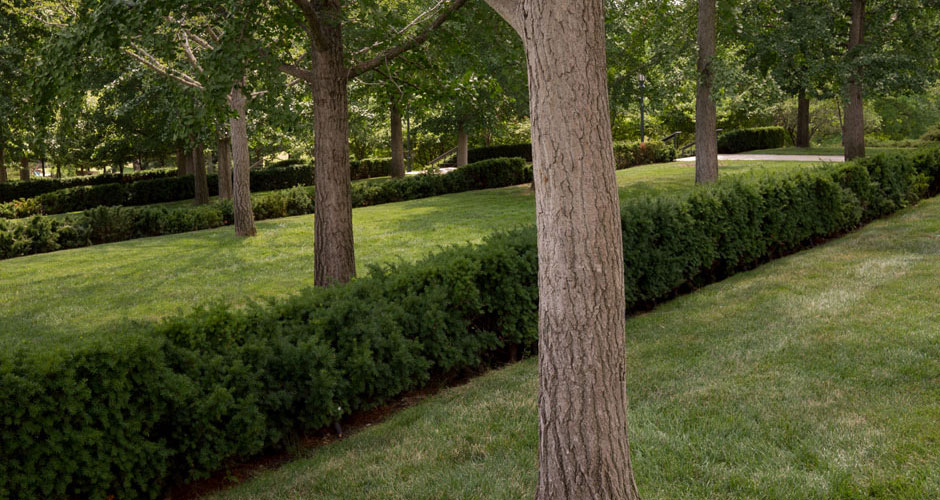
(13, 190)
(106, 224)
(749, 139)
(629, 154)
(159, 404)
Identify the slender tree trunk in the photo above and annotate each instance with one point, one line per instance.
(225, 168)
(181, 162)
(58, 171)
(3, 166)
(583, 448)
(241, 197)
(199, 175)
(42, 163)
(334, 256)
(802, 120)
(706, 137)
(854, 137)
(462, 141)
(24, 169)
(398, 148)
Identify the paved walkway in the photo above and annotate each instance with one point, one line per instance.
(749, 157)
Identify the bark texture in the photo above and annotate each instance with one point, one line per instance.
(462, 142)
(706, 136)
(398, 146)
(583, 447)
(241, 196)
(24, 169)
(181, 162)
(854, 135)
(199, 176)
(334, 257)
(225, 168)
(802, 120)
(3, 166)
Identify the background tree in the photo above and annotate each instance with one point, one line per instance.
(706, 135)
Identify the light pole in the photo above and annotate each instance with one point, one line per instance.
(642, 79)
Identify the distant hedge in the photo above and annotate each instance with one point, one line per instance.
(749, 139)
(626, 153)
(13, 190)
(107, 224)
(160, 404)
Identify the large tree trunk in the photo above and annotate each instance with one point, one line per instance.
(583, 447)
(181, 159)
(225, 168)
(24, 169)
(854, 135)
(334, 257)
(706, 137)
(462, 142)
(398, 147)
(199, 175)
(802, 120)
(241, 201)
(3, 166)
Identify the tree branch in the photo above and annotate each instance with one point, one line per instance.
(511, 11)
(403, 30)
(297, 72)
(418, 39)
(314, 29)
(151, 62)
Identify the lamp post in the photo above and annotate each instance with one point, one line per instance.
(642, 78)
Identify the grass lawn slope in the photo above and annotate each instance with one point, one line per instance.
(816, 376)
(72, 294)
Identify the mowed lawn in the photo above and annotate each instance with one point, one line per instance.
(71, 294)
(816, 376)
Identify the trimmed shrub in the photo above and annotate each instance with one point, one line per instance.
(160, 404)
(106, 224)
(505, 151)
(370, 167)
(749, 139)
(629, 154)
(932, 134)
(15, 190)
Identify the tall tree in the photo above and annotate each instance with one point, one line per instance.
(583, 447)
(854, 135)
(706, 120)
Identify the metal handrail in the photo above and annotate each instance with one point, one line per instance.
(443, 156)
(689, 145)
(675, 139)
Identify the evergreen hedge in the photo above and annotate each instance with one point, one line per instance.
(749, 139)
(626, 153)
(151, 405)
(107, 224)
(14, 190)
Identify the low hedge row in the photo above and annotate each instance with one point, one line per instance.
(14, 190)
(630, 153)
(626, 153)
(370, 167)
(107, 224)
(146, 192)
(168, 403)
(749, 139)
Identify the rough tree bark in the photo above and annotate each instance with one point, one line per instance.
(24, 168)
(583, 447)
(398, 146)
(199, 175)
(802, 120)
(225, 168)
(462, 142)
(854, 135)
(241, 197)
(3, 166)
(334, 257)
(706, 136)
(180, 162)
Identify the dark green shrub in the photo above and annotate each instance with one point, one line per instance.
(629, 154)
(14, 190)
(505, 151)
(931, 135)
(170, 402)
(749, 139)
(370, 167)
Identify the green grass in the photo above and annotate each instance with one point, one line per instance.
(74, 294)
(816, 376)
(820, 151)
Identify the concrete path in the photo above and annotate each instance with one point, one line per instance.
(750, 157)
(443, 170)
